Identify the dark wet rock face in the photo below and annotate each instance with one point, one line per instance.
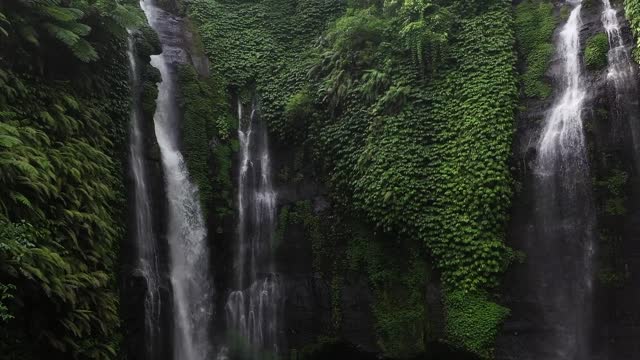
(345, 350)
(178, 47)
(614, 324)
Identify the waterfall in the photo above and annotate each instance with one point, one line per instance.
(621, 71)
(188, 251)
(252, 308)
(144, 237)
(621, 77)
(561, 259)
(561, 146)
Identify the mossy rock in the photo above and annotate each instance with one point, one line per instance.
(535, 24)
(473, 321)
(595, 53)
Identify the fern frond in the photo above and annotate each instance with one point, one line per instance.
(66, 36)
(84, 51)
(59, 13)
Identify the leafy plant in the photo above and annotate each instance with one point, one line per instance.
(65, 98)
(420, 156)
(473, 321)
(35, 22)
(632, 13)
(534, 26)
(595, 52)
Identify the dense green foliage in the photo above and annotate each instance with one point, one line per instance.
(407, 108)
(61, 134)
(403, 108)
(632, 13)
(612, 199)
(398, 280)
(470, 185)
(595, 52)
(473, 321)
(535, 23)
(27, 24)
(204, 107)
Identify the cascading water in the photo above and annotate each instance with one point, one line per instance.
(145, 239)
(621, 71)
(188, 252)
(561, 146)
(252, 309)
(561, 259)
(621, 76)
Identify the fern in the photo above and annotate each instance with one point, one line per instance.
(84, 51)
(31, 21)
(61, 13)
(59, 173)
(3, 23)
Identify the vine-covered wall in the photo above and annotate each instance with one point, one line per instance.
(391, 125)
(405, 112)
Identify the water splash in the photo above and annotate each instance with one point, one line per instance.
(188, 251)
(252, 308)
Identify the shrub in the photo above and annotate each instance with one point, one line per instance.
(595, 53)
(473, 321)
(534, 30)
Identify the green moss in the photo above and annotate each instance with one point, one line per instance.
(612, 269)
(595, 52)
(611, 277)
(206, 119)
(398, 276)
(222, 182)
(613, 188)
(565, 11)
(473, 321)
(299, 111)
(612, 195)
(283, 223)
(534, 26)
(147, 42)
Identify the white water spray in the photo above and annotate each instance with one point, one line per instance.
(621, 77)
(252, 309)
(564, 211)
(188, 251)
(562, 141)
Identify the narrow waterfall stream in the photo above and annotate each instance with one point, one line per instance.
(252, 308)
(145, 239)
(621, 77)
(561, 259)
(188, 251)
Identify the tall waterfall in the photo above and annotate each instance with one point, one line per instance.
(561, 259)
(561, 146)
(621, 71)
(252, 308)
(145, 239)
(188, 251)
(621, 77)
